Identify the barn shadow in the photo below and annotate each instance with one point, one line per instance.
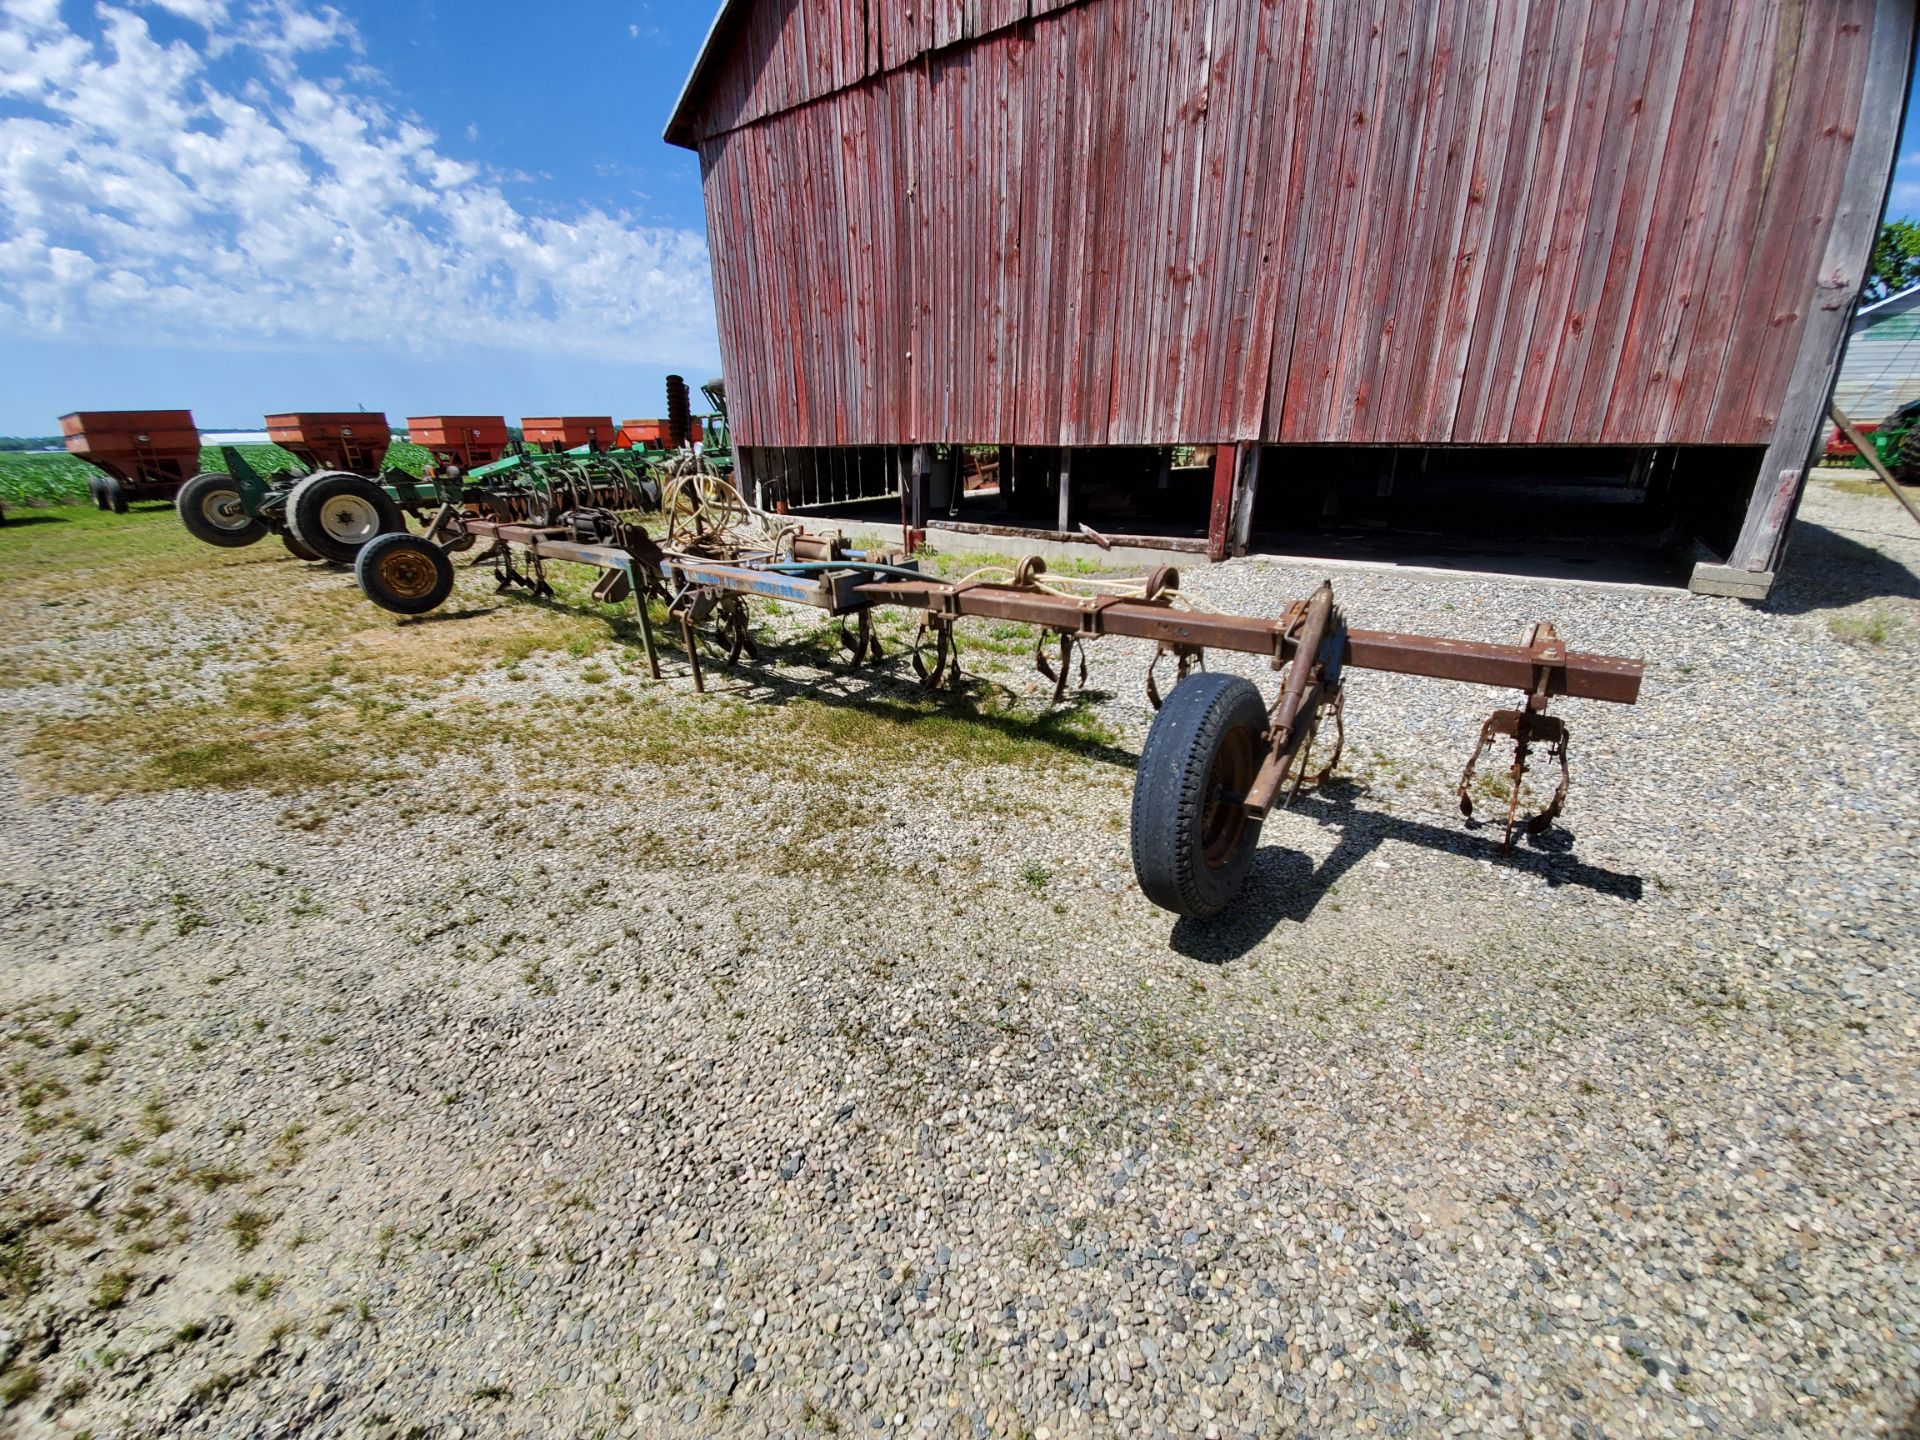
(1285, 886)
(1828, 570)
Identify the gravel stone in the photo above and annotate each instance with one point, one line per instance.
(555, 1114)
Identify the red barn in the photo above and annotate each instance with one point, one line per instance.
(1421, 261)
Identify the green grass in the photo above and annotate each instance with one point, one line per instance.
(1863, 627)
(329, 694)
(1859, 487)
(31, 478)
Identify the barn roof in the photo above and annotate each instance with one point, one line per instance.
(680, 124)
(769, 57)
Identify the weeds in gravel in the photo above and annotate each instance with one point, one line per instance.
(246, 1227)
(20, 1265)
(214, 1177)
(110, 1293)
(215, 1389)
(18, 1385)
(1863, 627)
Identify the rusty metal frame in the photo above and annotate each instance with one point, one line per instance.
(1311, 643)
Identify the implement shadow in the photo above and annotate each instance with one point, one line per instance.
(889, 692)
(1284, 885)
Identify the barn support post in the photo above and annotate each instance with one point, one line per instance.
(1802, 421)
(747, 477)
(1246, 489)
(917, 506)
(1066, 490)
(1226, 473)
(1004, 462)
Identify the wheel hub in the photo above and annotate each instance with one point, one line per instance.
(1224, 818)
(224, 510)
(409, 576)
(350, 520)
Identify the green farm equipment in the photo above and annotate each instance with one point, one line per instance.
(340, 493)
(335, 498)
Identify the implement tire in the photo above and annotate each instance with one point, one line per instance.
(1192, 843)
(96, 492)
(295, 548)
(404, 573)
(334, 514)
(1906, 462)
(215, 513)
(113, 495)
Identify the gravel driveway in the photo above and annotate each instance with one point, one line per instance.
(525, 1049)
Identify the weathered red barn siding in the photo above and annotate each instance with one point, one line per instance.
(1354, 221)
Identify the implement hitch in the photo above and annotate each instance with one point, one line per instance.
(1217, 761)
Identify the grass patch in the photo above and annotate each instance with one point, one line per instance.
(246, 1227)
(1863, 627)
(329, 699)
(1869, 486)
(214, 1177)
(214, 1390)
(18, 1385)
(111, 1292)
(20, 1265)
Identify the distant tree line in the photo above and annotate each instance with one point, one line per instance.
(1896, 260)
(28, 442)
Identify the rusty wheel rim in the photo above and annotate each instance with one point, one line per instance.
(409, 576)
(1223, 821)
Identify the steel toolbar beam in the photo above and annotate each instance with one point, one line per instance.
(1512, 667)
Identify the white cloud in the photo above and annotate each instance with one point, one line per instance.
(245, 190)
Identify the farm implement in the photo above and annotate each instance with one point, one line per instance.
(140, 454)
(328, 506)
(342, 494)
(1218, 758)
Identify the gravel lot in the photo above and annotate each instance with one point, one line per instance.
(623, 1062)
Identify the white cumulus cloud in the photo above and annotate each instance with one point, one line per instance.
(247, 189)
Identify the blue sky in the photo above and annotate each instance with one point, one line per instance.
(241, 206)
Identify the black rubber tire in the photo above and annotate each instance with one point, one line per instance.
(98, 494)
(1906, 464)
(334, 514)
(1207, 734)
(404, 573)
(214, 514)
(295, 548)
(114, 494)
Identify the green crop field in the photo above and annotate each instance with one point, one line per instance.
(33, 478)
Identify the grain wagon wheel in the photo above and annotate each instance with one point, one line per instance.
(215, 512)
(1192, 840)
(404, 573)
(334, 514)
(97, 494)
(113, 495)
(295, 548)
